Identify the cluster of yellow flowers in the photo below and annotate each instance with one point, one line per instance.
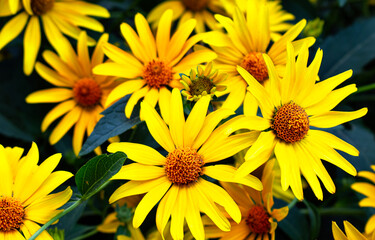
(249, 57)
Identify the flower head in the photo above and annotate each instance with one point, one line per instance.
(80, 93)
(259, 220)
(367, 189)
(184, 10)
(248, 37)
(203, 82)
(154, 64)
(25, 199)
(176, 179)
(57, 17)
(290, 107)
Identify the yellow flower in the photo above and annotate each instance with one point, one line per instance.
(60, 16)
(367, 189)
(351, 232)
(80, 93)
(289, 108)
(9, 7)
(248, 37)
(25, 199)
(176, 180)
(259, 220)
(277, 16)
(154, 64)
(203, 82)
(184, 10)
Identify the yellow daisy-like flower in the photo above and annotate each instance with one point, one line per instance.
(247, 38)
(203, 82)
(289, 108)
(184, 10)
(9, 7)
(154, 64)
(57, 16)
(351, 232)
(176, 180)
(259, 220)
(80, 93)
(277, 16)
(25, 199)
(367, 189)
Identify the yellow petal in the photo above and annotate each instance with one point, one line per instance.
(145, 35)
(166, 207)
(135, 44)
(120, 56)
(138, 152)
(117, 69)
(83, 54)
(51, 76)
(139, 172)
(80, 129)
(123, 89)
(57, 112)
(50, 95)
(31, 43)
(6, 175)
(65, 124)
(163, 34)
(12, 28)
(178, 215)
(133, 100)
(352, 232)
(193, 217)
(164, 104)
(334, 118)
(60, 66)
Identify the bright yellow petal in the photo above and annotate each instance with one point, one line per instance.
(334, 118)
(83, 54)
(138, 152)
(139, 172)
(123, 89)
(135, 44)
(177, 119)
(133, 100)
(31, 43)
(57, 112)
(117, 69)
(145, 35)
(51, 76)
(164, 104)
(163, 33)
(165, 208)
(65, 124)
(12, 28)
(193, 217)
(6, 175)
(352, 232)
(120, 56)
(178, 215)
(80, 129)
(50, 95)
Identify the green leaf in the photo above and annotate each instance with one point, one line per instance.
(112, 124)
(341, 2)
(10, 130)
(95, 174)
(314, 219)
(351, 48)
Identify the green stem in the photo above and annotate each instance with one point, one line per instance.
(366, 88)
(292, 203)
(89, 234)
(338, 211)
(58, 216)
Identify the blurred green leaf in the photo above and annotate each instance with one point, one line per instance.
(314, 219)
(295, 225)
(351, 48)
(112, 124)
(341, 2)
(10, 130)
(95, 174)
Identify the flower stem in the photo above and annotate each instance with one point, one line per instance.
(89, 234)
(366, 88)
(292, 203)
(58, 216)
(338, 211)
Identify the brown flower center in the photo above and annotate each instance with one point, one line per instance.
(87, 92)
(201, 84)
(157, 74)
(11, 214)
(258, 220)
(255, 65)
(291, 123)
(40, 7)
(183, 166)
(195, 5)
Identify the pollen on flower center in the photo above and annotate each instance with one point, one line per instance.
(258, 220)
(255, 65)
(183, 166)
(40, 7)
(200, 85)
(87, 92)
(195, 5)
(291, 123)
(157, 74)
(11, 214)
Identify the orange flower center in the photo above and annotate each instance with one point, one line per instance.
(40, 7)
(195, 5)
(258, 220)
(255, 65)
(157, 74)
(87, 92)
(11, 214)
(183, 166)
(200, 85)
(291, 123)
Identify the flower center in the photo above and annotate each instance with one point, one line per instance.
(195, 5)
(40, 7)
(157, 74)
(200, 85)
(11, 214)
(87, 92)
(183, 166)
(255, 65)
(258, 220)
(291, 123)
